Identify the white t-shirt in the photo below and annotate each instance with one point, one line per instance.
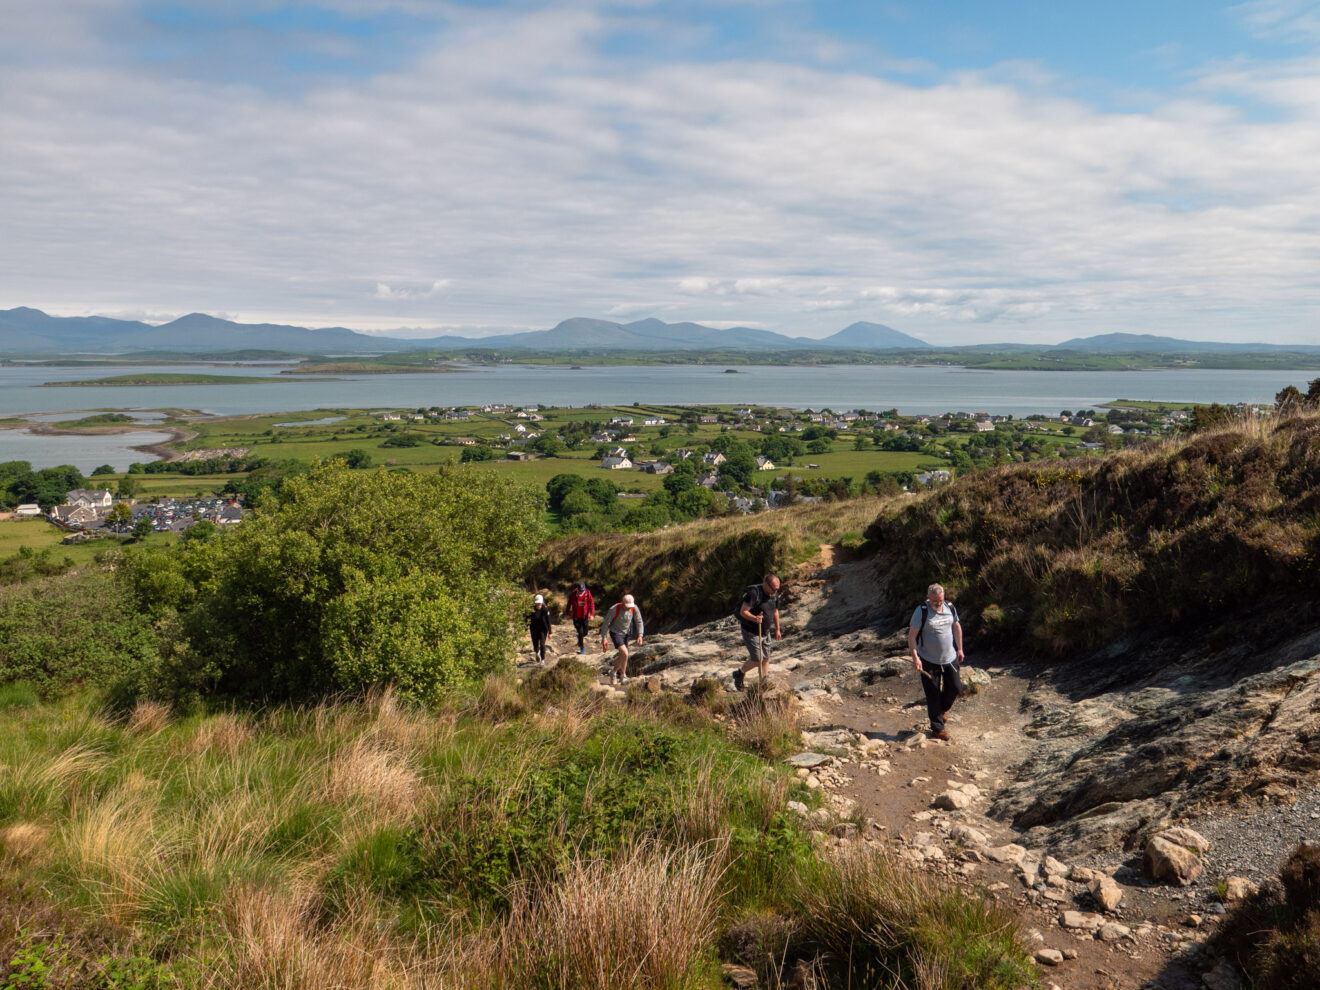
(936, 644)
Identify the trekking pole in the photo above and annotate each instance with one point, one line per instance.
(760, 650)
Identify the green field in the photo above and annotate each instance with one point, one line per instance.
(41, 535)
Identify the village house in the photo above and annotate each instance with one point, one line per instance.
(93, 498)
(743, 412)
(612, 463)
(682, 454)
(933, 477)
(713, 457)
(28, 509)
(75, 515)
(465, 441)
(601, 437)
(708, 419)
(391, 417)
(458, 414)
(621, 421)
(654, 421)
(656, 467)
(518, 455)
(764, 464)
(984, 426)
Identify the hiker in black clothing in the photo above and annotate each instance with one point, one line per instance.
(538, 624)
(758, 611)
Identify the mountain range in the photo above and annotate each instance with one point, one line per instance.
(30, 331)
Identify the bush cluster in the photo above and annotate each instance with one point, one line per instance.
(344, 580)
(1076, 554)
(1275, 934)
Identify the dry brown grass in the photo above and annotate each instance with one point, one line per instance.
(24, 843)
(224, 735)
(370, 772)
(499, 699)
(148, 718)
(277, 943)
(766, 719)
(643, 921)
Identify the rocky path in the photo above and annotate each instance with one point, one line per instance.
(1096, 917)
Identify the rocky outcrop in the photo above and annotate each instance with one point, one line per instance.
(1174, 856)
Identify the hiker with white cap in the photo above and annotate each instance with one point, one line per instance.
(538, 624)
(622, 623)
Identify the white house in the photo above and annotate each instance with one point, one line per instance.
(616, 463)
(933, 477)
(654, 421)
(984, 426)
(28, 509)
(713, 457)
(764, 464)
(93, 498)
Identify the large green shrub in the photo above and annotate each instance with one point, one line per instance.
(58, 633)
(346, 580)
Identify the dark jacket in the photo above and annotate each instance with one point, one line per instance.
(538, 621)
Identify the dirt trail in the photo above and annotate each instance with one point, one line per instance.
(863, 712)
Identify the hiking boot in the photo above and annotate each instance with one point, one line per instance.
(941, 734)
(581, 651)
(623, 678)
(738, 678)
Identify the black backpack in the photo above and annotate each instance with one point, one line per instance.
(759, 594)
(925, 611)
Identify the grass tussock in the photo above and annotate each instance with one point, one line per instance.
(696, 571)
(524, 837)
(766, 719)
(1275, 934)
(1068, 556)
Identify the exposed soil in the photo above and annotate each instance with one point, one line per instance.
(844, 656)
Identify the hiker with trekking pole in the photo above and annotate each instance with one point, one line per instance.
(758, 616)
(620, 624)
(935, 640)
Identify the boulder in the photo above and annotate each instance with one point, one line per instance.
(1084, 921)
(968, 836)
(1238, 889)
(1054, 868)
(843, 830)
(1106, 893)
(1187, 838)
(1113, 932)
(1168, 861)
(1008, 853)
(1049, 957)
(975, 676)
(798, 808)
(952, 801)
(808, 761)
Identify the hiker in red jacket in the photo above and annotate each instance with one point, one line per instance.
(581, 608)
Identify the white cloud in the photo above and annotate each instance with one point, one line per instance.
(410, 292)
(546, 179)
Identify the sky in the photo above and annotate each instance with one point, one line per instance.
(967, 172)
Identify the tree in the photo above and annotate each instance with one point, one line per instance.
(347, 580)
(471, 454)
(1313, 391)
(118, 515)
(1288, 400)
(738, 467)
(401, 440)
(357, 458)
(103, 469)
(547, 445)
(203, 529)
(683, 478)
(559, 487)
(128, 486)
(142, 528)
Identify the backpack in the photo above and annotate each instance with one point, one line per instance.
(925, 611)
(759, 594)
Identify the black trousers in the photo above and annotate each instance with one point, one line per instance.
(583, 626)
(538, 644)
(942, 686)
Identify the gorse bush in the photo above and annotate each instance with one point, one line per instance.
(1076, 554)
(345, 580)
